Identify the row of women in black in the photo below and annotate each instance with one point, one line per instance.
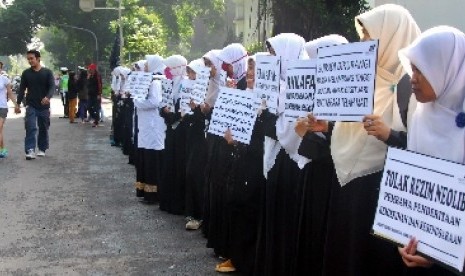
(305, 217)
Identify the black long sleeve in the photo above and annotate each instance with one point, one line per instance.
(39, 84)
(397, 139)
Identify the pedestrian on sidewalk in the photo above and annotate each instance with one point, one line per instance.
(72, 96)
(64, 91)
(40, 86)
(5, 93)
(83, 95)
(94, 85)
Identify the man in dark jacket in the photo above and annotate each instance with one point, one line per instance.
(40, 85)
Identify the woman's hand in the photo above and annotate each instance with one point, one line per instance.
(167, 109)
(228, 137)
(316, 125)
(376, 127)
(302, 127)
(192, 105)
(205, 108)
(408, 254)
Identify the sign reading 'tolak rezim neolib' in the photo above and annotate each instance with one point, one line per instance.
(423, 197)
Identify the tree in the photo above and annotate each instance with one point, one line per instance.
(314, 18)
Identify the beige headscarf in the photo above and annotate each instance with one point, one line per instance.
(439, 54)
(214, 84)
(356, 154)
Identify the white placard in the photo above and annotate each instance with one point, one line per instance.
(167, 94)
(223, 77)
(187, 86)
(345, 82)
(300, 89)
(138, 84)
(267, 80)
(235, 109)
(423, 197)
(201, 85)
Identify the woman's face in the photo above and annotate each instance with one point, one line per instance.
(208, 63)
(366, 35)
(250, 74)
(421, 87)
(191, 73)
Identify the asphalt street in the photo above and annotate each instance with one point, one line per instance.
(74, 212)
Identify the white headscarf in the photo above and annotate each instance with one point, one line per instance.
(329, 40)
(196, 64)
(177, 65)
(236, 55)
(155, 64)
(289, 47)
(139, 65)
(214, 85)
(439, 54)
(116, 79)
(355, 154)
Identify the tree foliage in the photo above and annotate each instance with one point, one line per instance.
(149, 26)
(314, 18)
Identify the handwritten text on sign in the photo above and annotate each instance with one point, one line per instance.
(138, 84)
(235, 109)
(187, 86)
(201, 85)
(300, 89)
(423, 197)
(345, 81)
(167, 94)
(267, 79)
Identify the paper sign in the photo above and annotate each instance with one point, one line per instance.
(187, 86)
(423, 197)
(201, 85)
(267, 80)
(235, 109)
(300, 89)
(167, 94)
(138, 84)
(345, 82)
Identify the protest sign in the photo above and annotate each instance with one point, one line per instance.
(138, 84)
(223, 77)
(345, 81)
(187, 86)
(267, 79)
(300, 89)
(235, 109)
(200, 88)
(167, 94)
(423, 197)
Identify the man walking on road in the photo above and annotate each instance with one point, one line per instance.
(40, 85)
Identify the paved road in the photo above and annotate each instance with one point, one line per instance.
(74, 212)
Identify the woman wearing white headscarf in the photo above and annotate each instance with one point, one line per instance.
(245, 183)
(130, 144)
(151, 135)
(278, 241)
(234, 58)
(359, 158)
(436, 61)
(172, 190)
(195, 156)
(316, 179)
(219, 160)
(211, 60)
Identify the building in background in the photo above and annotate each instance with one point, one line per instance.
(252, 23)
(431, 13)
